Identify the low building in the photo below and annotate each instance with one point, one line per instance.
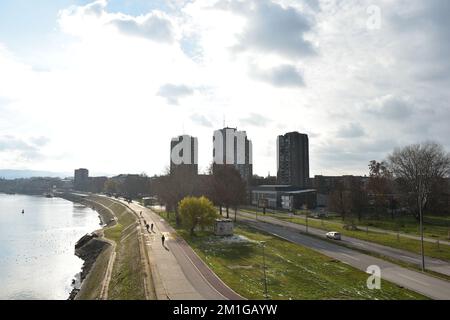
(223, 227)
(149, 201)
(284, 197)
(299, 199)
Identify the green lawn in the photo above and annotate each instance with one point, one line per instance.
(127, 276)
(293, 271)
(434, 226)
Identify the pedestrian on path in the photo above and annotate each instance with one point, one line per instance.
(145, 222)
(151, 227)
(163, 238)
(141, 214)
(147, 226)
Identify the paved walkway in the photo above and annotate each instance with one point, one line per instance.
(178, 273)
(432, 264)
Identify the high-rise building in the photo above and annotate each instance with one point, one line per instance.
(232, 147)
(81, 180)
(293, 159)
(184, 155)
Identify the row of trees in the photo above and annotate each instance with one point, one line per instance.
(413, 178)
(130, 186)
(224, 186)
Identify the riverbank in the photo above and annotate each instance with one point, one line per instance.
(114, 265)
(93, 249)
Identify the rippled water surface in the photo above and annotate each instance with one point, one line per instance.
(37, 258)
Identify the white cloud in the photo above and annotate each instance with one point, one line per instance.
(101, 97)
(173, 92)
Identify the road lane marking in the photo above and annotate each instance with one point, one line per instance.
(412, 279)
(411, 259)
(349, 256)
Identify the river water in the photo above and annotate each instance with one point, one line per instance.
(37, 259)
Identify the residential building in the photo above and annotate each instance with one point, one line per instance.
(293, 160)
(184, 155)
(232, 147)
(81, 179)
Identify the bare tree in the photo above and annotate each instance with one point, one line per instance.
(418, 167)
(339, 200)
(380, 185)
(172, 188)
(229, 189)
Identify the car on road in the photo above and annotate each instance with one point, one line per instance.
(334, 235)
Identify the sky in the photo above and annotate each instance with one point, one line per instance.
(106, 84)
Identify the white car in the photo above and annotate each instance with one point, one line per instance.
(334, 235)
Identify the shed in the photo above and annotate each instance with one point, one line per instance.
(223, 227)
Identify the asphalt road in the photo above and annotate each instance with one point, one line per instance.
(422, 283)
(432, 264)
(394, 233)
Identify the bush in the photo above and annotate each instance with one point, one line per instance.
(196, 212)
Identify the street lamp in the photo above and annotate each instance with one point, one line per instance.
(263, 244)
(422, 250)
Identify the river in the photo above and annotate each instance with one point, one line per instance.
(37, 259)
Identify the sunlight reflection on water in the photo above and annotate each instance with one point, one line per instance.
(37, 259)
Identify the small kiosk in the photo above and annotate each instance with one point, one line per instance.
(223, 227)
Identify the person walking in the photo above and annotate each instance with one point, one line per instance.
(147, 226)
(151, 227)
(163, 238)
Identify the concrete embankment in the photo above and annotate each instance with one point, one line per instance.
(93, 249)
(115, 262)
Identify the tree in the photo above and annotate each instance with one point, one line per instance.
(418, 168)
(349, 199)
(196, 212)
(358, 198)
(338, 200)
(380, 185)
(172, 188)
(229, 189)
(110, 186)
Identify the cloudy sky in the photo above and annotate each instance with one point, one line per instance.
(106, 84)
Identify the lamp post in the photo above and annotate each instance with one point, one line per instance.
(263, 244)
(422, 251)
(306, 216)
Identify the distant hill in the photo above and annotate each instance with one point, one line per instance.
(17, 174)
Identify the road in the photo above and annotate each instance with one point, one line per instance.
(394, 233)
(422, 283)
(178, 273)
(432, 264)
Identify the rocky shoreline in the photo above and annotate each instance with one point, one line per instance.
(90, 246)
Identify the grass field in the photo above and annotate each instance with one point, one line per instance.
(293, 271)
(91, 285)
(127, 276)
